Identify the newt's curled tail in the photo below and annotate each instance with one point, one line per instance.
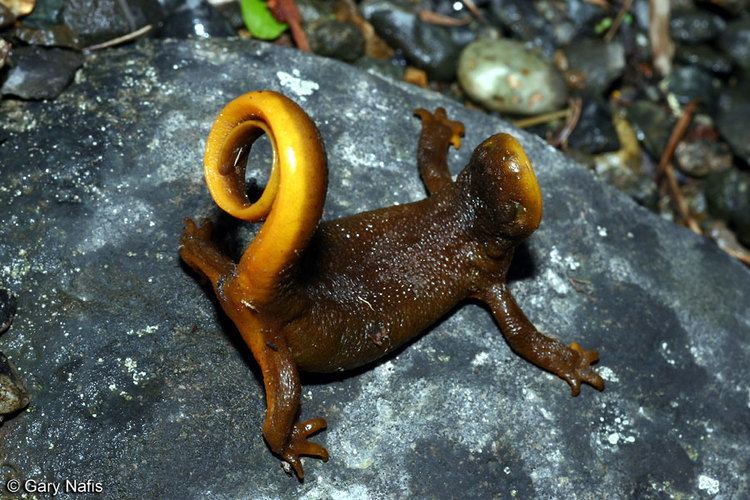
(292, 202)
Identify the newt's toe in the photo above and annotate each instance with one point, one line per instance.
(300, 446)
(580, 370)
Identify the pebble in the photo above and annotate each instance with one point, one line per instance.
(505, 76)
(8, 306)
(653, 125)
(4, 52)
(58, 35)
(706, 57)
(426, 46)
(46, 13)
(336, 39)
(731, 119)
(702, 157)
(735, 41)
(96, 21)
(728, 197)
(19, 8)
(695, 26)
(196, 19)
(687, 83)
(600, 63)
(595, 132)
(523, 20)
(637, 184)
(40, 73)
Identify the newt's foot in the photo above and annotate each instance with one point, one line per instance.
(439, 120)
(202, 232)
(580, 369)
(299, 445)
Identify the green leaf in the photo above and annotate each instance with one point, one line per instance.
(259, 20)
(603, 25)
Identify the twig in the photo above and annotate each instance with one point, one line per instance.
(472, 7)
(575, 106)
(626, 5)
(662, 47)
(431, 17)
(581, 285)
(286, 11)
(744, 258)
(543, 118)
(121, 39)
(678, 132)
(665, 171)
(604, 4)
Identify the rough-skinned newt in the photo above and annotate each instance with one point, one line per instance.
(327, 296)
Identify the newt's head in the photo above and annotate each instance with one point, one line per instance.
(501, 180)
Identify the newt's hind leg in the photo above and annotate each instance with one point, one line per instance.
(571, 363)
(438, 134)
(286, 437)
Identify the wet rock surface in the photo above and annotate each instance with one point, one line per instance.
(135, 377)
(40, 73)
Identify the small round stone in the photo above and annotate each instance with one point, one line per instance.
(503, 75)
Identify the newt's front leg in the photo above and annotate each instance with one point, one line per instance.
(438, 134)
(570, 363)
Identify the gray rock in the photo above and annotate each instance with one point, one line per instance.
(734, 108)
(426, 46)
(735, 41)
(140, 383)
(40, 73)
(600, 63)
(505, 76)
(695, 26)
